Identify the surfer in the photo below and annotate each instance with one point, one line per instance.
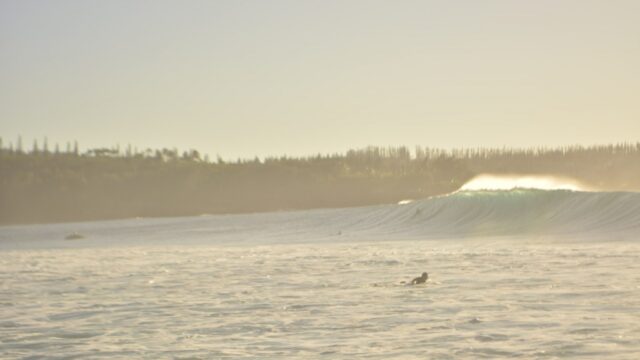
(74, 236)
(420, 280)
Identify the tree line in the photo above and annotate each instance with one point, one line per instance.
(53, 185)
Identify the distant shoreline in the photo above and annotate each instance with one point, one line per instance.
(44, 187)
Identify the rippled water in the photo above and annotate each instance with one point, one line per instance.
(484, 299)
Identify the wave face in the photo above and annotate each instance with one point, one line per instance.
(516, 212)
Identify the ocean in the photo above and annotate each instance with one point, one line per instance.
(521, 273)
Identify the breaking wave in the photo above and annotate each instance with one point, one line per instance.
(515, 212)
(496, 205)
(510, 182)
(518, 213)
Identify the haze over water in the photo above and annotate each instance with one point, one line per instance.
(129, 109)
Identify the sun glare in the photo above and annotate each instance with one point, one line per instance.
(510, 182)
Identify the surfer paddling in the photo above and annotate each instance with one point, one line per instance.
(421, 279)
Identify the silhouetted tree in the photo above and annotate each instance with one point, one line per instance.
(19, 144)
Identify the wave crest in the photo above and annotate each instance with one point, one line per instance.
(510, 182)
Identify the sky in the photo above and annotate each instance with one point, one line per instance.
(260, 78)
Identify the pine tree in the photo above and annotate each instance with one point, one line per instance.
(19, 145)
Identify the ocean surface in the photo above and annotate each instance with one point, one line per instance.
(532, 274)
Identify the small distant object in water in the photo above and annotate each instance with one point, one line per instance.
(420, 280)
(405, 202)
(74, 236)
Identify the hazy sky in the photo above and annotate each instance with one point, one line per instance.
(244, 78)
